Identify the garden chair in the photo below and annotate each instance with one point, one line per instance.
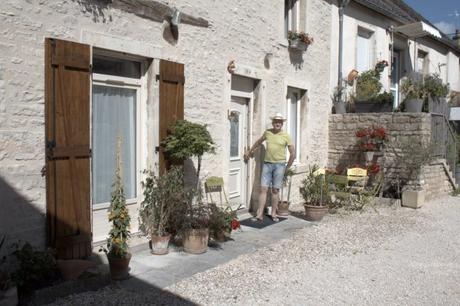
(215, 184)
(357, 179)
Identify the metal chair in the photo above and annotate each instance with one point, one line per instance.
(212, 185)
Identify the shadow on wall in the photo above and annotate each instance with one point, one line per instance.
(296, 58)
(97, 8)
(19, 219)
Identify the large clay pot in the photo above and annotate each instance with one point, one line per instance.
(119, 267)
(160, 244)
(414, 105)
(283, 208)
(315, 213)
(196, 241)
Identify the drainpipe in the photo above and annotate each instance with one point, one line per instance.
(342, 4)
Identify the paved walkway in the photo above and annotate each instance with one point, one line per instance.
(387, 256)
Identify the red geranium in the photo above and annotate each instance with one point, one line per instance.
(362, 133)
(367, 146)
(373, 168)
(235, 224)
(379, 132)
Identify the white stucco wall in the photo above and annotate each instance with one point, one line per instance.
(244, 31)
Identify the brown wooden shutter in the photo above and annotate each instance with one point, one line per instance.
(67, 124)
(171, 100)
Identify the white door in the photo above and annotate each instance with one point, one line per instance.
(238, 170)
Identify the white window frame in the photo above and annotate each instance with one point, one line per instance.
(296, 142)
(292, 12)
(129, 83)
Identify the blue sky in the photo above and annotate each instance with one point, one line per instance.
(439, 12)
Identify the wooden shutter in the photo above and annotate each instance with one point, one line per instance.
(171, 100)
(67, 120)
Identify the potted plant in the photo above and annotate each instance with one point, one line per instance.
(195, 228)
(368, 97)
(283, 205)
(223, 220)
(436, 92)
(315, 193)
(371, 139)
(116, 249)
(299, 40)
(338, 100)
(187, 140)
(415, 93)
(161, 194)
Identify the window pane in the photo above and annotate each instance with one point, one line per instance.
(118, 67)
(114, 115)
(362, 55)
(234, 135)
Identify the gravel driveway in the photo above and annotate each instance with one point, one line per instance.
(387, 256)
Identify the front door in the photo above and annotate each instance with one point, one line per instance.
(238, 170)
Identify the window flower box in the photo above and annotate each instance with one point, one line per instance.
(299, 40)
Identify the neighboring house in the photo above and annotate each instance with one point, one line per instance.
(77, 75)
(390, 30)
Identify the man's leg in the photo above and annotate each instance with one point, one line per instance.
(275, 201)
(278, 175)
(262, 201)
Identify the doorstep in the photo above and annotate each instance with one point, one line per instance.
(163, 270)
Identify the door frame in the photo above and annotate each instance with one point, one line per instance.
(247, 169)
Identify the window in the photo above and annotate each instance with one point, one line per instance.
(422, 62)
(363, 50)
(291, 16)
(294, 96)
(115, 109)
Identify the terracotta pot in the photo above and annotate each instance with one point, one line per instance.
(119, 267)
(196, 241)
(160, 244)
(283, 208)
(315, 213)
(220, 236)
(352, 75)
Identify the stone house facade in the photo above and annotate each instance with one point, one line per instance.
(123, 47)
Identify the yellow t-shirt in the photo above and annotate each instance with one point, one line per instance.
(276, 146)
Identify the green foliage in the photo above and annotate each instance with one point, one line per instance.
(36, 269)
(384, 97)
(314, 188)
(188, 139)
(455, 192)
(117, 243)
(434, 86)
(413, 87)
(368, 85)
(221, 218)
(161, 195)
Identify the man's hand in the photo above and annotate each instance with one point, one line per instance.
(247, 155)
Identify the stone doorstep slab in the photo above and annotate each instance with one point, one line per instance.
(160, 271)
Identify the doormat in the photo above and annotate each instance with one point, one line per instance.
(260, 224)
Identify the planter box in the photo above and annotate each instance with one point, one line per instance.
(413, 198)
(297, 44)
(373, 107)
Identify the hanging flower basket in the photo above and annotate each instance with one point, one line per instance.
(299, 40)
(297, 44)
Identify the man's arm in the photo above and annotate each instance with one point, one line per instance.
(291, 149)
(250, 153)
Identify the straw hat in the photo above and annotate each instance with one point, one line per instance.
(278, 116)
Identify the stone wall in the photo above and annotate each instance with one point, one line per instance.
(403, 128)
(243, 31)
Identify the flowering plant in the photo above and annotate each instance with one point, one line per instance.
(373, 168)
(302, 36)
(380, 66)
(371, 137)
(224, 219)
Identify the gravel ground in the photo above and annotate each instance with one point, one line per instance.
(387, 256)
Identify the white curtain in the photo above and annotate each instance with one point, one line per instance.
(363, 54)
(114, 115)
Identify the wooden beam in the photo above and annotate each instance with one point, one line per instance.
(156, 11)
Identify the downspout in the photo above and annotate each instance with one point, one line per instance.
(342, 4)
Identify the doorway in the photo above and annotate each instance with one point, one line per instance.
(238, 174)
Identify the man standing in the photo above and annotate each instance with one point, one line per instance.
(274, 167)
